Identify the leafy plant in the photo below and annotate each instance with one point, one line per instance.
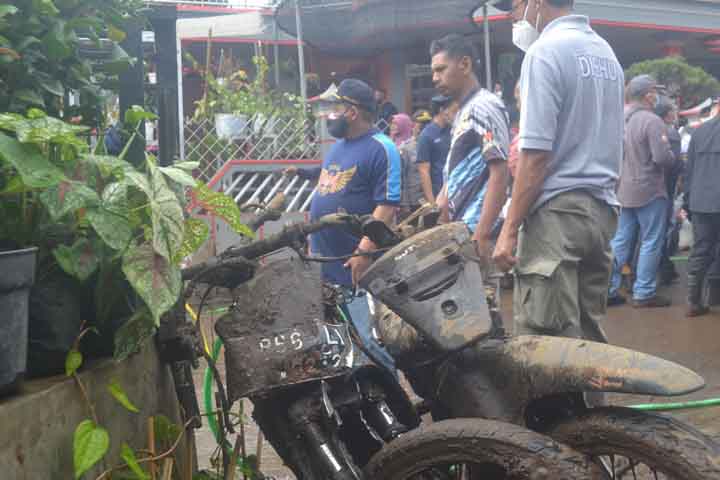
(97, 216)
(688, 83)
(41, 43)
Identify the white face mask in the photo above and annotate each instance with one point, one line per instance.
(524, 34)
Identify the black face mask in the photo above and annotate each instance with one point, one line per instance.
(338, 127)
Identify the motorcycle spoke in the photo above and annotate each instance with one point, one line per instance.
(623, 468)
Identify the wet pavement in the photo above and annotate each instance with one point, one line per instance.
(693, 343)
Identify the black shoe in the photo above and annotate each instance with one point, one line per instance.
(616, 300)
(696, 311)
(652, 302)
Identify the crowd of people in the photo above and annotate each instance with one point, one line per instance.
(592, 171)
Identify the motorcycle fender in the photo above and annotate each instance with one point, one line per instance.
(554, 364)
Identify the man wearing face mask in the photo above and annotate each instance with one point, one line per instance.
(361, 175)
(643, 194)
(570, 148)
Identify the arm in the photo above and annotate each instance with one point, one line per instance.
(531, 172)
(304, 173)
(492, 205)
(443, 205)
(687, 184)
(426, 181)
(385, 176)
(424, 157)
(660, 148)
(538, 131)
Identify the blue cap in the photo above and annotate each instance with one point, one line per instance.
(356, 92)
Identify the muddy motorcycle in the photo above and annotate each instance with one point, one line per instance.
(503, 408)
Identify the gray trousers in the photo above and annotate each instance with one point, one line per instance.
(706, 233)
(563, 270)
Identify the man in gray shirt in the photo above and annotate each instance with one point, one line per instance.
(643, 195)
(571, 130)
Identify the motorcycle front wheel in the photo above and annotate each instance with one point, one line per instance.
(634, 445)
(475, 449)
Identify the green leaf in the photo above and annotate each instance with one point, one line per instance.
(115, 34)
(68, 197)
(52, 86)
(45, 7)
(114, 229)
(223, 206)
(154, 278)
(118, 62)
(133, 334)
(166, 431)
(196, 233)
(7, 10)
(178, 176)
(168, 220)
(34, 168)
(128, 455)
(30, 97)
(90, 444)
(73, 360)
(44, 129)
(80, 261)
(187, 166)
(119, 394)
(136, 114)
(107, 164)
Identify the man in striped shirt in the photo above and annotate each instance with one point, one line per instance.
(476, 173)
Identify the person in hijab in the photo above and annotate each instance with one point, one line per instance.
(401, 128)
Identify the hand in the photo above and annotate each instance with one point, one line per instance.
(290, 171)
(358, 267)
(504, 255)
(483, 248)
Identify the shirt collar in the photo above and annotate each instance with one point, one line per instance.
(565, 22)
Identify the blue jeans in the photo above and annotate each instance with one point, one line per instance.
(360, 317)
(651, 221)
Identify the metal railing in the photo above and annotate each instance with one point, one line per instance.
(246, 143)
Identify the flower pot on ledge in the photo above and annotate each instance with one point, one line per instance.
(18, 275)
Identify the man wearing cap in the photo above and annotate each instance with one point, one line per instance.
(563, 209)
(643, 195)
(433, 146)
(361, 175)
(702, 197)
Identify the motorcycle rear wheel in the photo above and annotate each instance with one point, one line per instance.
(635, 445)
(474, 449)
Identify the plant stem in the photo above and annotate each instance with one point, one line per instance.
(157, 458)
(91, 407)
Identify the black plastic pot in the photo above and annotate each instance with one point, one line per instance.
(17, 275)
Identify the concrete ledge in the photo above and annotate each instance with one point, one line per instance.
(37, 426)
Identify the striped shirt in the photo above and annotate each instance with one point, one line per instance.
(480, 135)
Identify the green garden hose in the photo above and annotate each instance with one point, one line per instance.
(208, 397)
(668, 407)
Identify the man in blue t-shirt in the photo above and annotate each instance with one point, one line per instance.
(360, 175)
(433, 146)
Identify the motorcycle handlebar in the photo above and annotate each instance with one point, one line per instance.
(289, 236)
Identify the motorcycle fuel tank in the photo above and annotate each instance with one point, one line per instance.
(432, 283)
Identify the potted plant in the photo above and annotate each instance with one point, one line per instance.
(107, 231)
(18, 267)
